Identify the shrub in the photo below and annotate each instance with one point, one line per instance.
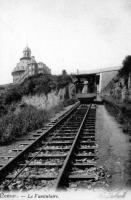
(38, 84)
(126, 68)
(63, 80)
(13, 95)
(3, 110)
(29, 118)
(36, 105)
(13, 125)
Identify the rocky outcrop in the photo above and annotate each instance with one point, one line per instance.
(119, 89)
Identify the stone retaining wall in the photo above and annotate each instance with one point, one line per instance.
(119, 89)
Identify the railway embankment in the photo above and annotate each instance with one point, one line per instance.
(9, 151)
(64, 158)
(101, 155)
(113, 149)
(121, 111)
(117, 95)
(26, 107)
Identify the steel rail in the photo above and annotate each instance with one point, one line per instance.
(33, 157)
(62, 177)
(23, 169)
(11, 164)
(51, 138)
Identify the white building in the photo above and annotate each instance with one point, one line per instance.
(28, 67)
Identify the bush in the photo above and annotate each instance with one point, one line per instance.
(126, 68)
(63, 80)
(38, 84)
(12, 95)
(3, 110)
(36, 105)
(29, 118)
(13, 125)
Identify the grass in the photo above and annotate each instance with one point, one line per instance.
(30, 114)
(25, 107)
(123, 116)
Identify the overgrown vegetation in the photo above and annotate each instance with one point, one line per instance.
(25, 107)
(27, 119)
(126, 68)
(118, 89)
(39, 84)
(122, 115)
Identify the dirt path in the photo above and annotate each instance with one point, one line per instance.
(114, 149)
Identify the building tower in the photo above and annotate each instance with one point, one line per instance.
(27, 66)
(27, 52)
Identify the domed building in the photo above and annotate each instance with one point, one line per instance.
(28, 67)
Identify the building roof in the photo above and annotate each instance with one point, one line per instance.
(24, 61)
(99, 70)
(27, 49)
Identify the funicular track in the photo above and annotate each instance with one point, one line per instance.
(64, 154)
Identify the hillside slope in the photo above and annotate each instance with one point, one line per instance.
(27, 106)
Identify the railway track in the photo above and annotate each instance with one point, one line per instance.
(63, 157)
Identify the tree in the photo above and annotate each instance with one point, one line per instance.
(126, 69)
(64, 72)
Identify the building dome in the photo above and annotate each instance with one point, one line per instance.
(27, 49)
(28, 66)
(27, 52)
(24, 61)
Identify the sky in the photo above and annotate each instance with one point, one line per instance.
(64, 34)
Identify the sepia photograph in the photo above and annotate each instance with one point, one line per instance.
(65, 99)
